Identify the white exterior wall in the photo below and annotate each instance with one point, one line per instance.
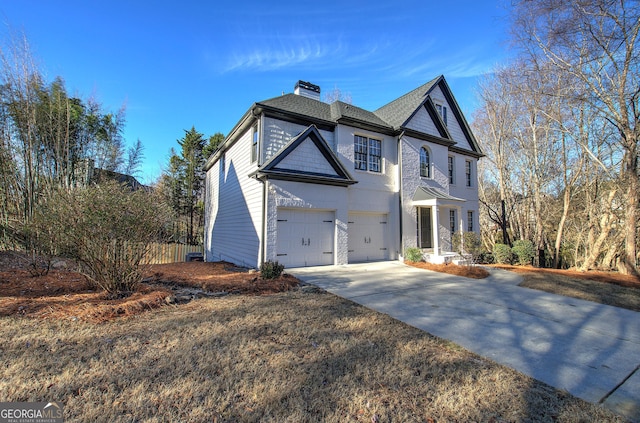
(422, 122)
(411, 180)
(233, 229)
(452, 124)
(299, 195)
(277, 133)
(374, 192)
(461, 190)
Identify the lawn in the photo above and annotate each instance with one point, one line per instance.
(266, 352)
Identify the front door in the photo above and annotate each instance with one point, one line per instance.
(424, 228)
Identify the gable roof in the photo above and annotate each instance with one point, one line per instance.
(389, 119)
(274, 167)
(400, 111)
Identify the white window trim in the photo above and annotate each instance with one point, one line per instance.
(255, 148)
(468, 177)
(451, 173)
(368, 158)
(429, 164)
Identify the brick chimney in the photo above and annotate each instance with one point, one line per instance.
(307, 89)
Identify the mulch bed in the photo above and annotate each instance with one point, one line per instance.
(66, 294)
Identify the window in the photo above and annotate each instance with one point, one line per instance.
(222, 165)
(470, 221)
(367, 154)
(425, 163)
(254, 145)
(452, 180)
(452, 221)
(467, 172)
(375, 155)
(443, 112)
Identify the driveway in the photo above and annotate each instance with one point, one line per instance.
(588, 349)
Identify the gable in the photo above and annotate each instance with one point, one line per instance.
(306, 158)
(454, 126)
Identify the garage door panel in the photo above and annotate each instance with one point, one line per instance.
(368, 237)
(305, 237)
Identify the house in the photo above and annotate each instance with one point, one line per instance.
(308, 183)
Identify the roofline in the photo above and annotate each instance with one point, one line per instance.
(460, 116)
(465, 152)
(245, 121)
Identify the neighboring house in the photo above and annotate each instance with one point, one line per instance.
(309, 183)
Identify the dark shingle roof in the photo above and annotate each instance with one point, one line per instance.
(398, 112)
(340, 109)
(297, 104)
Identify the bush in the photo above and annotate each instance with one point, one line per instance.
(413, 254)
(485, 258)
(271, 269)
(467, 243)
(106, 228)
(524, 251)
(502, 253)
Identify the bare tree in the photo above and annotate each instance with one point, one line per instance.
(594, 43)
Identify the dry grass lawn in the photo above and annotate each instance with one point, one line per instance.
(602, 287)
(299, 356)
(258, 355)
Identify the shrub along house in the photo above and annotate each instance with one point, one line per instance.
(308, 183)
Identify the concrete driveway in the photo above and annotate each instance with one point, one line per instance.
(588, 349)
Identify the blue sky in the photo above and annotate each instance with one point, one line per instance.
(177, 64)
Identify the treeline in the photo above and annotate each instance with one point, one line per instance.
(48, 139)
(182, 184)
(560, 128)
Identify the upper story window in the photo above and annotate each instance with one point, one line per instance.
(467, 172)
(443, 112)
(367, 154)
(254, 145)
(451, 168)
(425, 163)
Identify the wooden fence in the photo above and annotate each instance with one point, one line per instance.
(170, 253)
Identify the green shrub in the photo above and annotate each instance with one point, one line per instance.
(271, 269)
(524, 251)
(413, 254)
(485, 257)
(467, 243)
(502, 253)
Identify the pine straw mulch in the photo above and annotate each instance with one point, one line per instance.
(474, 272)
(66, 294)
(627, 281)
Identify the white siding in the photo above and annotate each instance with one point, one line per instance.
(422, 122)
(453, 126)
(278, 133)
(306, 157)
(235, 201)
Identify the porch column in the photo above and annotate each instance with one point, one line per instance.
(436, 230)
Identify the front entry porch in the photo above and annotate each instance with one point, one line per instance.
(438, 218)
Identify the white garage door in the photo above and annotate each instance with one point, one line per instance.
(368, 237)
(305, 237)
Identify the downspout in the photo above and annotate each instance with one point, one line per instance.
(400, 208)
(263, 243)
